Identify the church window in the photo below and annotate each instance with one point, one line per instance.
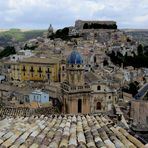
(79, 76)
(63, 68)
(72, 77)
(98, 106)
(78, 66)
(99, 87)
(109, 97)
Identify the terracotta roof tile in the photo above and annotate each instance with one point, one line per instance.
(65, 131)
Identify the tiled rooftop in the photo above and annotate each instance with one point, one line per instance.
(41, 60)
(64, 131)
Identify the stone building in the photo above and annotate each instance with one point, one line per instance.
(75, 92)
(62, 70)
(79, 95)
(139, 114)
(79, 24)
(39, 96)
(103, 96)
(50, 30)
(35, 69)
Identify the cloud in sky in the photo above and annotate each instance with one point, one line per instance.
(60, 13)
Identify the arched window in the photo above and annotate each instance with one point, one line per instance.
(72, 76)
(115, 99)
(98, 106)
(99, 87)
(63, 68)
(79, 76)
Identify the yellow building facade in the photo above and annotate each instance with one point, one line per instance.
(35, 69)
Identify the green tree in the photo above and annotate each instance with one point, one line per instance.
(9, 50)
(85, 26)
(140, 49)
(132, 89)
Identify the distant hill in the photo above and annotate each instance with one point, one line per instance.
(8, 37)
(140, 35)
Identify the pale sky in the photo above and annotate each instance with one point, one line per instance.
(37, 14)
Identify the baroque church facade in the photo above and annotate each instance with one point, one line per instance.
(77, 94)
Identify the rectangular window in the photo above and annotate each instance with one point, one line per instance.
(48, 75)
(34, 98)
(99, 87)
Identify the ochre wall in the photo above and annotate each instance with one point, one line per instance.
(18, 74)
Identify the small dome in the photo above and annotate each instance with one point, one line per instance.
(74, 58)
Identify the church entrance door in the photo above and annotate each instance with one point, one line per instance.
(79, 106)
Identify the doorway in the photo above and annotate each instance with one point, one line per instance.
(79, 106)
(98, 106)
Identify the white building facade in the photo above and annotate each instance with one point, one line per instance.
(39, 96)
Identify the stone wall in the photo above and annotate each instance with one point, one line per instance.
(139, 112)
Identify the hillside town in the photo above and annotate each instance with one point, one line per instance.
(80, 86)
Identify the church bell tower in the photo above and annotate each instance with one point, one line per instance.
(75, 92)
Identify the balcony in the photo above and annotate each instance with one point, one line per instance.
(24, 69)
(73, 89)
(40, 70)
(31, 70)
(48, 71)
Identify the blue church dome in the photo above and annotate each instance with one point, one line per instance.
(74, 58)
